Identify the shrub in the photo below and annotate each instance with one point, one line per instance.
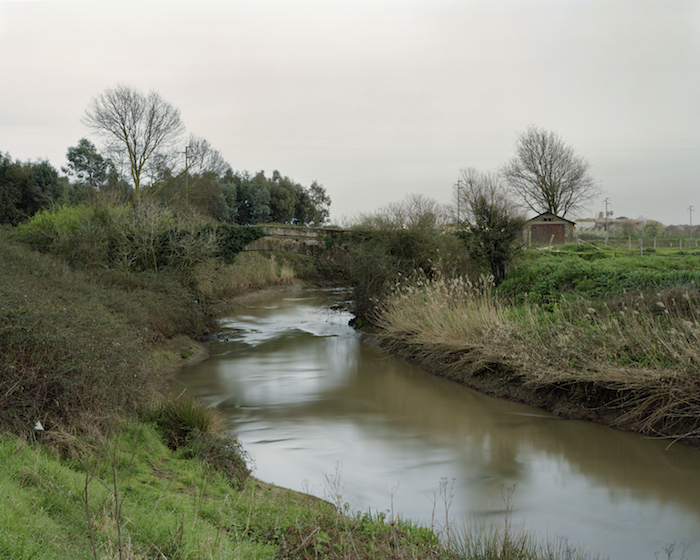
(381, 257)
(196, 429)
(45, 227)
(75, 342)
(55, 365)
(180, 417)
(232, 239)
(223, 453)
(144, 236)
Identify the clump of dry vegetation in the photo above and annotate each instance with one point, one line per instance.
(251, 271)
(630, 360)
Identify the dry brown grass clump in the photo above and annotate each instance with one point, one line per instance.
(251, 271)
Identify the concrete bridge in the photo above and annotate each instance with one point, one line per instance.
(327, 243)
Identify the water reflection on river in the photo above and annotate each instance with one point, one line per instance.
(307, 397)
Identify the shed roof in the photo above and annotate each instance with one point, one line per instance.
(544, 215)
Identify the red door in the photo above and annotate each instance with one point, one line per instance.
(542, 233)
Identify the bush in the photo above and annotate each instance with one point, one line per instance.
(189, 425)
(55, 365)
(223, 453)
(180, 417)
(381, 257)
(75, 343)
(140, 237)
(46, 226)
(232, 239)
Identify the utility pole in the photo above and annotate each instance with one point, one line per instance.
(459, 184)
(690, 209)
(187, 171)
(607, 201)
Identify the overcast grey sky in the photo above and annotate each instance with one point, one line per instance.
(377, 99)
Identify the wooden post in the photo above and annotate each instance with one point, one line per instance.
(641, 247)
(629, 243)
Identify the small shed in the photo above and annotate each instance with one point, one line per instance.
(547, 228)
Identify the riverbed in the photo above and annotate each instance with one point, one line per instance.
(321, 410)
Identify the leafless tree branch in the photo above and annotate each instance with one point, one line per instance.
(135, 127)
(547, 175)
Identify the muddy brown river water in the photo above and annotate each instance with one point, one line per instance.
(319, 409)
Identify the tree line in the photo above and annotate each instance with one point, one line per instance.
(26, 188)
(142, 156)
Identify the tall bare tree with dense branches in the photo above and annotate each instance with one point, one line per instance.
(136, 127)
(547, 175)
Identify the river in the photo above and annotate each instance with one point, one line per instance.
(322, 411)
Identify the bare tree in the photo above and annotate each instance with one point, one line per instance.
(203, 158)
(492, 225)
(416, 211)
(547, 175)
(137, 128)
(482, 188)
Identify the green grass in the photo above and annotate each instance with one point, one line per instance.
(544, 278)
(126, 495)
(138, 499)
(167, 504)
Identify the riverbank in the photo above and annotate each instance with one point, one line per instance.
(492, 379)
(88, 468)
(484, 354)
(627, 362)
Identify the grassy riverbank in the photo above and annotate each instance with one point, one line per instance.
(118, 470)
(127, 495)
(608, 340)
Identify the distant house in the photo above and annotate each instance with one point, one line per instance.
(586, 224)
(547, 228)
(611, 223)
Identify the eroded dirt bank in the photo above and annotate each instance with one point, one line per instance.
(574, 401)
